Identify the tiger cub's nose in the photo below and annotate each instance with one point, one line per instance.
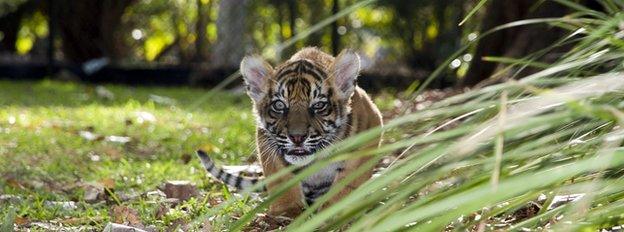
(297, 139)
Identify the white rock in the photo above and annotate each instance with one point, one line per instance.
(114, 227)
(117, 139)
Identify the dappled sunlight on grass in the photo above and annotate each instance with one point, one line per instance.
(55, 137)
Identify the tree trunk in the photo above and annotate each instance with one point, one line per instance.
(90, 29)
(286, 14)
(515, 42)
(231, 34)
(279, 54)
(292, 13)
(335, 37)
(292, 16)
(316, 14)
(200, 29)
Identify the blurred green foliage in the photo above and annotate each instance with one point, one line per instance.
(387, 31)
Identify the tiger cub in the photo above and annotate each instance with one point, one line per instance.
(301, 106)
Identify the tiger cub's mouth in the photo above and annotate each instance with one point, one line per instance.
(299, 152)
(298, 156)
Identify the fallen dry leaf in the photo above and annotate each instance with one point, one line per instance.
(14, 183)
(21, 221)
(113, 153)
(107, 183)
(214, 201)
(125, 215)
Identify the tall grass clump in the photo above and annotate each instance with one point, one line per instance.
(498, 157)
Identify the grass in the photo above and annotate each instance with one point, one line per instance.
(476, 161)
(490, 158)
(555, 132)
(44, 157)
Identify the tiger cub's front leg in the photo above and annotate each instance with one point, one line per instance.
(366, 116)
(349, 167)
(290, 203)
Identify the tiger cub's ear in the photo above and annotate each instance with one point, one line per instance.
(344, 72)
(256, 73)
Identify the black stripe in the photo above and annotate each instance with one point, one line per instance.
(227, 177)
(348, 129)
(284, 73)
(300, 67)
(210, 167)
(239, 180)
(289, 69)
(314, 71)
(322, 185)
(316, 76)
(219, 175)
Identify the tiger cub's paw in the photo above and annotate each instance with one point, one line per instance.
(291, 212)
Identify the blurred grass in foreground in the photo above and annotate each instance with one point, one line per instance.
(494, 151)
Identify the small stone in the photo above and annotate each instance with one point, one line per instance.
(182, 190)
(114, 227)
(172, 201)
(88, 135)
(156, 195)
(117, 139)
(103, 92)
(10, 199)
(151, 228)
(92, 194)
(43, 225)
(127, 196)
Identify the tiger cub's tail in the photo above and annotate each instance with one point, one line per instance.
(239, 182)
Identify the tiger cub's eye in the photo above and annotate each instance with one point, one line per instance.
(319, 106)
(278, 106)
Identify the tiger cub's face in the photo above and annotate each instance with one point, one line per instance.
(301, 106)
